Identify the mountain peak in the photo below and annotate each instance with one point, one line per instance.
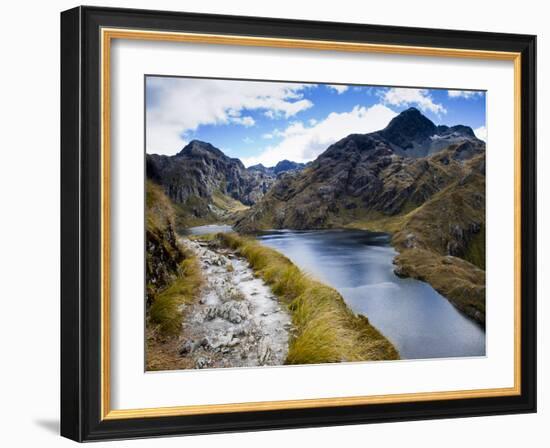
(196, 147)
(409, 134)
(409, 125)
(287, 165)
(411, 110)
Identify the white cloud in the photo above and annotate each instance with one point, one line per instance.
(302, 144)
(463, 94)
(405, 97)
(312, 121)
(338, 88)
(286, 109)
(267, 136)
(295, 128)
(481, 133)
(179, 105)
(166, 137)
(245, 121)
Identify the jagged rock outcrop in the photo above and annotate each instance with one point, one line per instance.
(198, 171)
(412, 134)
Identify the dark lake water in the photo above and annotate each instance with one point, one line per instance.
(210, 228)
(419, 321)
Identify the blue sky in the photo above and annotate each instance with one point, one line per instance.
(265, 122)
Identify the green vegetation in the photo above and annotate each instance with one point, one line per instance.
(475, 252)
(198, 211)
(166, 308)
(165, 316)
(159, 211)
(173, 279)
(227, 204)
(326, 330)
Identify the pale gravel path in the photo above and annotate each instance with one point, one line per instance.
(237, 321)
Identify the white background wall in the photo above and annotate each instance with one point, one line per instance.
(29, 248)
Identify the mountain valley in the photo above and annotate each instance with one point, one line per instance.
(422, 183)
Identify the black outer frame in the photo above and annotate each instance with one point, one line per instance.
(81, 221)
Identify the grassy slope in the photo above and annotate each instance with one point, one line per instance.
(327, 194)
(461, 281)
(165, 310)
(201, 211)
(475, 252)
(165, 318)
(326, 329)
(173, 279)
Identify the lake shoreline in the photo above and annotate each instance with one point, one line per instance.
(462, 322)
(326, 329)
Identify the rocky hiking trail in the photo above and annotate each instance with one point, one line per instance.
(237, 321)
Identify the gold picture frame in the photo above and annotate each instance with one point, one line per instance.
(106, 32)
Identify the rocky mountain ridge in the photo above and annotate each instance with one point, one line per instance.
(208, 186)
(366, 176)
(412, 134)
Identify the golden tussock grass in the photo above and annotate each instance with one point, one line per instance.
(166, 308)
(165, 316)
(459, 281)
(159, 212)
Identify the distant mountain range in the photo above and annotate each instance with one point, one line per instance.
(421, 182)
(282, 167)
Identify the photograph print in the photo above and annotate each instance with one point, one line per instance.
(296, 223)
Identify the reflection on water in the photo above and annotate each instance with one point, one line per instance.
(418, 320)
(211, 228)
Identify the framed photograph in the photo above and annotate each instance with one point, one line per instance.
(273, 223)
